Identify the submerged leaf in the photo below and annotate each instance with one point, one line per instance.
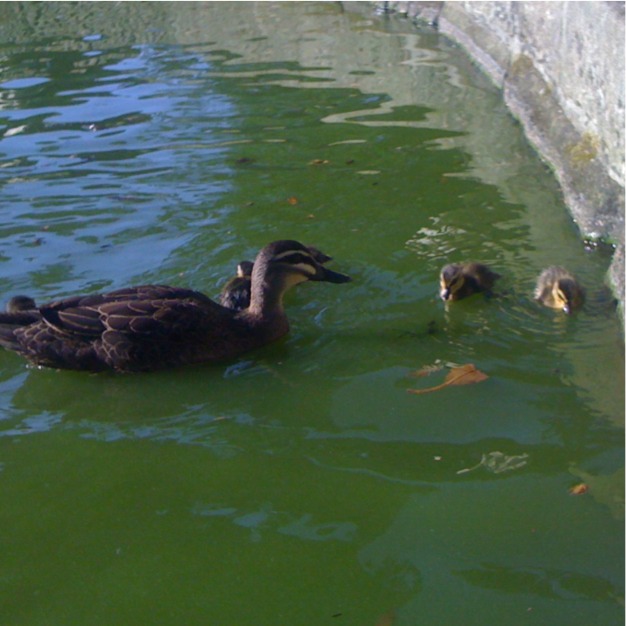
(606, 489)
(459, 375)
(498, 462)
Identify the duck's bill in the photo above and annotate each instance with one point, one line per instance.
(322, 258)
(329, 276)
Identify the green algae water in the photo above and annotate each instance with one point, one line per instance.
(300, 484)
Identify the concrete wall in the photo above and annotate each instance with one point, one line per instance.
(561, 68)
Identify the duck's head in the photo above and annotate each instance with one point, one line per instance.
(318, 255)
(451, 280)
(244, 268)
(283, 264)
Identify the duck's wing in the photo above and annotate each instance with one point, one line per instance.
(141, 292)
(161, 318)
(135, 329)
(152, 292)
(157, 310)
(129, 333)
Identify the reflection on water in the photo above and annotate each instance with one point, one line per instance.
(162, 142)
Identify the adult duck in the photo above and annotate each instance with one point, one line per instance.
(152, 327)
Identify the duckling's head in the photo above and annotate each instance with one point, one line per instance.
(18, 304)
(244, 269)
(567, 295)
(558, 289)
(451, 280)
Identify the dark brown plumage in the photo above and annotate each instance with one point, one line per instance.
(156, 326)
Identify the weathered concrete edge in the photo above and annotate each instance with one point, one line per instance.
(595, 200)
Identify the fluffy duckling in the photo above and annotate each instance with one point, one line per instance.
(559, 289)
(236, 292)
(19, 304)
(460, 280)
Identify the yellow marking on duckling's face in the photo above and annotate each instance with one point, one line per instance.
(449, 289)
(568, 296)
(564, 299)
(560, 300)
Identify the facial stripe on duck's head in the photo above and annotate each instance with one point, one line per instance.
(289, 260)
(300, 263)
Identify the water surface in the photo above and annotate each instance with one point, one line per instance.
(300, 484)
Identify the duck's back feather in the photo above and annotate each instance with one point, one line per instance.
(132, 329)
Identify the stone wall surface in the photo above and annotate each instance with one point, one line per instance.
(561, 68)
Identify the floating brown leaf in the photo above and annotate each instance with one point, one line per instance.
(578, 490)
(437, 366)
(461, 375)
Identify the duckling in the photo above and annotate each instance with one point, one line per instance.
(460, 280)
(559, 289)
(236, 292)
(20, 310)
(20, 303)
(151, 327)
